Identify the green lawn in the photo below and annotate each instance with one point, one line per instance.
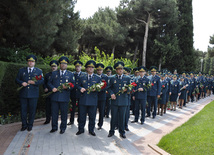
(196, 136)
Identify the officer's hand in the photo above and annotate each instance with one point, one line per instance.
(82, 90)
(140, 89)
(31, 82)
(187, 91)
(133, 97)
(184, 87)
(64, 87)
(46, 90)
(113, 97)
(125, 90)
(179, 94)
(24, 84)
(158, 96)
(170, 93)
(54, 90)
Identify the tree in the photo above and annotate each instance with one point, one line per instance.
(185, 36)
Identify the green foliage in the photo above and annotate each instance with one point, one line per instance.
(17, 55)
(48, 59)
(128, 62)
(193, 137)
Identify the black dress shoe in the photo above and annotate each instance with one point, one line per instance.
(153, 117)
(141, 123)
(53, 130)
(23, 128)
(147, 115)
(127, 129)
(107, 116)
(29, 129)
(99, 128)
(123, 136)
(110, 134)
(70, 123)
(134, 121)
(46, 122)
(116, 128)
(92, 133)
(62, 131)
(79, 132)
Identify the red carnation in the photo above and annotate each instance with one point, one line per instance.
(152, 84)
(105, 84)
(38, 77)
(28, 145)
(70, 109)
(134, 84)
(71, 85)
(163, 86)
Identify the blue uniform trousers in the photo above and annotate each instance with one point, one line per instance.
(118, 117)
(28, 104)
(107, 106)
(83, 111)
(140, 105)
(152, 100)
(48, 108)
(101, 108)
(74, 102)
(63, 107)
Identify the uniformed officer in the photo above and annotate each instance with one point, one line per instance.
(53, 65)
(187, 87)
(182, 91)
(174, 92)
(60, 99)
(29, 94)
(193, 85)
(108, 70)
(168, 79)
(140, 94)
(88, 101)
(101, 95)
(75, 93)
(119, 101)
(154, 92)
(164, 90)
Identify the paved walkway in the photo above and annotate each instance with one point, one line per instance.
(141, 139)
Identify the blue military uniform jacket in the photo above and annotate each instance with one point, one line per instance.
(175, 87)
(56, 80)
(102, 93)
(156, 89)
(30, 91)
(46, 79)
(75, 93)
(115, 85)
(141, 83)
(85, 98)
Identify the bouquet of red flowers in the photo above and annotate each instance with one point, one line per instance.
(60, 88)
(128, 87)
(97, 87)
(35, 79)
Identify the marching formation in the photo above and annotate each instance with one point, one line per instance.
(146, 93)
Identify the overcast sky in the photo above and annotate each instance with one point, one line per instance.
(202, 17)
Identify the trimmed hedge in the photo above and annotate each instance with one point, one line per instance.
(9, 100)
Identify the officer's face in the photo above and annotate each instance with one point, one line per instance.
(119, 71)
(53, 68)
(142, 73)
(63, 66)
(31, 63)
(108, 73)
(137, 73)
(99, 71)
(153, 72)
(78, 68)
(174, 78)
(90, 69)
(163, 78)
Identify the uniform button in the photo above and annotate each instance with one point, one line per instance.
(119, 87)
(29, 77)
(119, 84)
(119, 95)
(28, 87)
(60, 80)
(77, 79)
(60, 83)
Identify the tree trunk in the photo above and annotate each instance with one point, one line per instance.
(160, 64)
(145, 40)
(113, 49)
(135, 52)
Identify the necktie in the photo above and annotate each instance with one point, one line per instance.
(61, 73)
(119, 76)
(29, 70)
(89, 77)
